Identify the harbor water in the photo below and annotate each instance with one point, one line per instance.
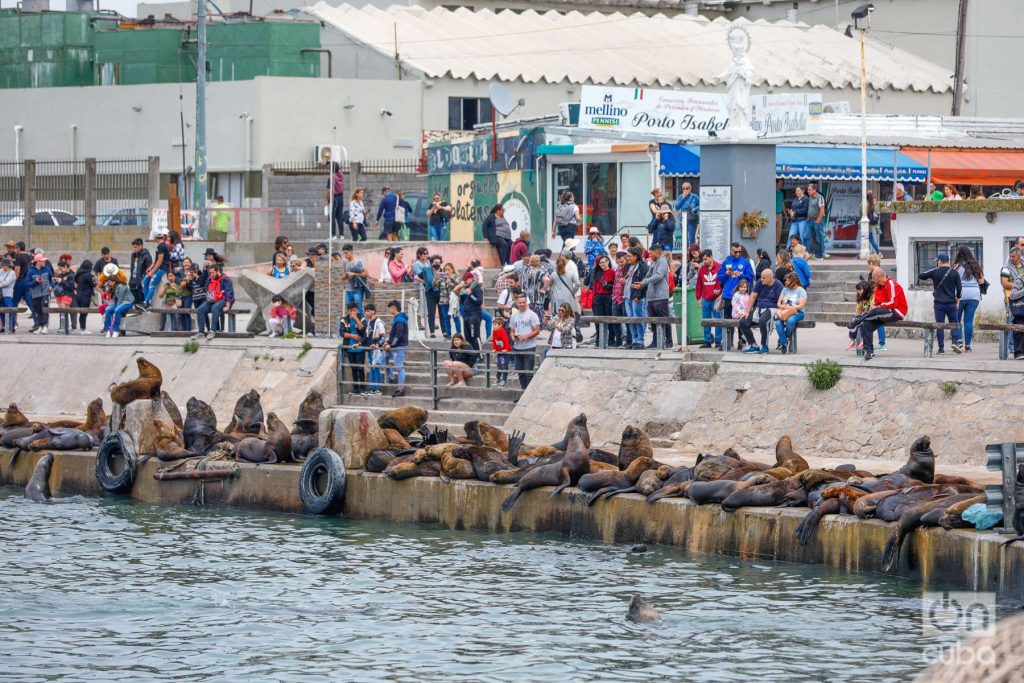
(117, 590)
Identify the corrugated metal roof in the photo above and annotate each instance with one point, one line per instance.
(622, 49)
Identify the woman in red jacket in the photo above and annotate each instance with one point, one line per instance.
(602, 282)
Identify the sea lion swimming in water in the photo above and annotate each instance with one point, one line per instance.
(641, 612)
(567, 472)
(38, 487)
(146, 385)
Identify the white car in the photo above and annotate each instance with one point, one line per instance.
(43, 217)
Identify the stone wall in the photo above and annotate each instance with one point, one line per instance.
(873, 412)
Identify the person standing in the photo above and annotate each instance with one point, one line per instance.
(140, 264)
(336, 200)
(396, 345)
(664, 228)
(798, 213)
(636, 303)
(39, 280)
(816, 218)
(619, 334)
(656, 283)
(386, 214)
(567, 217)
(7, 280)
(603, 282)
(355, 275)
(22, 261)
(973, 282)
(708, 290)
(220, 214)
(357, 215)
(351, 331)
(524, 326)
(438, 215)
(780, 208)
(503, 235)
(946, 291)
(890, 306)
(156, 271)
(874, 233)
(733, 269)
(688, 206)
(764, 300)
(471, 297)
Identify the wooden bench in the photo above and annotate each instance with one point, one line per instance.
(66, 313)
(927, 328)
(229, 315)
(730, 324)
(1004, 330)
(185, 334)
(603, 321)
(8, 313)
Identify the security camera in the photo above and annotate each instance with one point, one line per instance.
(385, 112)
(862, 11)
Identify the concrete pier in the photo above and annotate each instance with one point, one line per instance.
(962, 559)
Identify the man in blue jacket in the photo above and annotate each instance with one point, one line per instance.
(386, 208)
(396, 345)
(734, 268)
(688, 205)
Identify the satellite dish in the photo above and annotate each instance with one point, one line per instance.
(501, 99)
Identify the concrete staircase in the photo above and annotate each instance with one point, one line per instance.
(833, 294)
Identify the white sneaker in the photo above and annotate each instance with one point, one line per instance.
(271, 335)
(36, 331)
(85, 332)
(44, 330)
(115, 334)
(880, 347)
(210, 335)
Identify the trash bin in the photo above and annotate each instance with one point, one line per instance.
(694, 332)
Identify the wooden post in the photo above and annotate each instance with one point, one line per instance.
(173, 208)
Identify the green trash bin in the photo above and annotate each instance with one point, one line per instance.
(694, 332)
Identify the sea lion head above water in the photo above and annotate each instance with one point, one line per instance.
(38, 487)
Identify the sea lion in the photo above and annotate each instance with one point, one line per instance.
(255, 449)
(574, 464)
(200, 431)
(405, 470)
(302, 444)
(247, 417)
(308, 419)
(378, 460)
(704, 492)
(767, 494)
(785, 457)
(405, 420)
(641, 612)
(485, 460)
(486, 435)
(634, 444)
(14, 417)
(953, 516)
(395, 439)
(533, 454)
(601, 483)
(924, 513)
(38, 487)
(11, 436)
(169, 440)
(96, 420)
(57, 439)
(921, 463)
(891, 508)
(578, 423)
(279, 437)
(171, 408)
(648, 483)
(606, 457)
(146, 385)
(453, 467)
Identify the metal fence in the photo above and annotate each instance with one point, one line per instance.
(12, 184)
(122, 191)
(59, 189)
(370, 166)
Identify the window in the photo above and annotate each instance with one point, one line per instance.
(602, 198)
(925, 253)
(466, 112)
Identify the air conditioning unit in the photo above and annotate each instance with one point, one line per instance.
(325, 154)
(841, 107)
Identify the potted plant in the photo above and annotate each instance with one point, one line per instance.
(751, 222)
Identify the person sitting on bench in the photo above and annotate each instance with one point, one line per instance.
(764, 301)
(890, 306)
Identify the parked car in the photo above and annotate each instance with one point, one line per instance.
(130, 216)
(417, 222)
(43, 217)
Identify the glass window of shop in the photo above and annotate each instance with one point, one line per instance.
(635, 191)
(595, 186)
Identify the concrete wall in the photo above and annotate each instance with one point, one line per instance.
(929, 227)
(873, 412)
(750, 170)
(928, 28)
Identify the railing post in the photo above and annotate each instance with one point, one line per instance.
(602, 336)
(659, 336)
(433, 378)
(340, 377)
(89, 197)
(29, 199)
(487, 367)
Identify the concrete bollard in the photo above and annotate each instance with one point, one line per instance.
(352, 434)
(137, 420)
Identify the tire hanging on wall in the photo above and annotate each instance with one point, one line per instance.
(118, 444)
(322, 482)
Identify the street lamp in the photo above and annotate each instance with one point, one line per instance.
(864, 12)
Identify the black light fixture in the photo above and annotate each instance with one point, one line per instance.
(861, 12)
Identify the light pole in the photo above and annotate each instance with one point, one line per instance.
(864, 12)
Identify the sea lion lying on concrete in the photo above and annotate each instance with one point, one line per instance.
(486, 461)
(169, 442)
(453, 467)
(14, 417)
(573, 465)
(12, 435)
(601, 483)
(200, 432)
(255, 449)
(405, 420)
(395, 439)
(634, 444)
(146, 385)
(57, 439)
(925, 513)
(38, 487)
(279, 437)
(247, 418)
(408, 469)
(484, 434)
(379, 459)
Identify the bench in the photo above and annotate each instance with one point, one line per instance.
(1004, 330)
(928, 329)
(66, 313)
(603, 321)
(185, 334)
(730, 324)
(8, 314)
(229, 315)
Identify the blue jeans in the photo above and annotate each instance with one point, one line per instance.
(691, 233)
(149, 285)
(503, 363)
(377, 362)
(786, 329)
(818, 231)
(356, 297)
(965, 316)
(446, 326)
(185, 321)
(946, 313)
(881, 335)
(7, 322)
(872, 241)
(488, 322)
(436, 232)
(21, 294)
(397, 356)
(215, 311)
(707, 310)
(636, 309)
(112, 316)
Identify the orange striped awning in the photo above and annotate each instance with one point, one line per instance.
(971, 166)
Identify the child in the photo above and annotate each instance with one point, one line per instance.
(171, 293)
(740, 306)
(502, 346)
(373, 339)
(865, 302)
(280, 310)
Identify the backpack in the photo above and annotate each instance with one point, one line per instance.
(565, 214)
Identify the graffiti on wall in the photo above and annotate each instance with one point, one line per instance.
(515, 151)
(473, 194)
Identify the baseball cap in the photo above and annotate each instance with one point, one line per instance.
(311, 251)
(942, 256)
(39, 258)
(11, 243)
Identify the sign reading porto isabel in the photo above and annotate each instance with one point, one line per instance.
(640, 110)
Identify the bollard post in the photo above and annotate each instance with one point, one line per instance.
(659, 336)
(1002, 457)
(433, 378)
(487, 369)
(602, 336)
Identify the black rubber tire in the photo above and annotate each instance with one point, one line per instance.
(322, 482)
(118, 444)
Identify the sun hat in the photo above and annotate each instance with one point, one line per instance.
(111, 269)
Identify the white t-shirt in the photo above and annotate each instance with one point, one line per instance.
(523, 323)
(505, 299)
(792, 296)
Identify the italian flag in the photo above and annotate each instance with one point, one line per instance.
(638, 93)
